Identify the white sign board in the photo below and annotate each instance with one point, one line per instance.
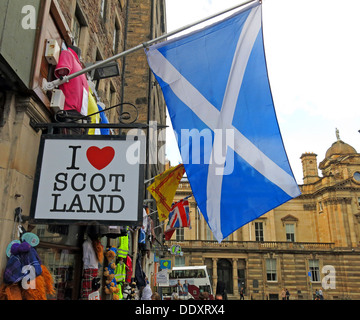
(94, 296)
(162, 278)
(95, 178)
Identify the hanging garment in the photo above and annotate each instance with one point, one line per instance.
(123, 248)
(87, 281)
(76, 91)
(90, 259)
(129, 269)
(139, 273)
(120, 272)
(142, 239)
(92, 108)
(119, 294)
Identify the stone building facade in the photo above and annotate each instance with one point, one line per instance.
(307, 244)
(101, 29)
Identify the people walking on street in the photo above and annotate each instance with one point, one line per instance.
(321, 295)
(242, 294)
(283, 294)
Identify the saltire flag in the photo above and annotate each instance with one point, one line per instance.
(216, 86)
(178, 218)
(163, 189)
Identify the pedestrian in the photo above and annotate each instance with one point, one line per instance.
(179, 287)
(185, 287)
(317, 295)
(321, 295)
(218, 297)
(287, 293)
(220, 289)
(242, 294)
(146, 293)
(283, 294)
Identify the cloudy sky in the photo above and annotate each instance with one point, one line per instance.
(312, 50)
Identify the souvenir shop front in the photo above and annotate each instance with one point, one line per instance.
(76, 257)
(86, 221)
(78, 262)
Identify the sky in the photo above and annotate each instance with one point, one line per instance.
(312, 50)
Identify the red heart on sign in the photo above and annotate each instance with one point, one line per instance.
(100, 158)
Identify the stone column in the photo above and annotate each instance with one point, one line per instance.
(215, 277)
(235, 278)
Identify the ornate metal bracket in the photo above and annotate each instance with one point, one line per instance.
(67, 119)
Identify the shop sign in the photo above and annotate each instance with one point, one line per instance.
(94, 296)
(165, 264)
(162, 278)
(175, 249)
(89, 178)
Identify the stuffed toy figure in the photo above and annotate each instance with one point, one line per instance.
(109, 272)
(23, 255)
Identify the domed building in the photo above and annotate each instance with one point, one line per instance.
(307, 244)
(340, 160)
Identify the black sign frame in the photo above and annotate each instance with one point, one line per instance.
(35, 193)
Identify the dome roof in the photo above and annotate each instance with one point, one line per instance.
(339, 147)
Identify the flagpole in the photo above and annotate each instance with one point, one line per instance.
(187, 197)
(53, 84)
(149, 180)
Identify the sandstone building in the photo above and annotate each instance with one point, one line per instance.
(306, 244)
(101, 29)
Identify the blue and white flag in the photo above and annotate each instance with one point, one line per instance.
(217, 92)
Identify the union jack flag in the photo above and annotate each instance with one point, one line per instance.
(178, 218)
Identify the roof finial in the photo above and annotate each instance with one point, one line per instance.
(337, 134)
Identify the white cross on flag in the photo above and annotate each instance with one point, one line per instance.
(217, 92)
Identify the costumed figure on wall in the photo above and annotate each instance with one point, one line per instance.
(25, 277)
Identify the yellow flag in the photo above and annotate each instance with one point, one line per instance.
(92, 108)
(163, 189)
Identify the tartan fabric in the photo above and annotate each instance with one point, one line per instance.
(22, 255)
(86, 286)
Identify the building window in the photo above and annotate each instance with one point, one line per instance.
(209, 234)
(98, 57)
(79, 28)
(179, 261)
(259, 231)
(103, 9)
(180, 234)
(320, 206)
(271, 274)
(290, 232)
(116, 37)
(76, 31)
(314, 270)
